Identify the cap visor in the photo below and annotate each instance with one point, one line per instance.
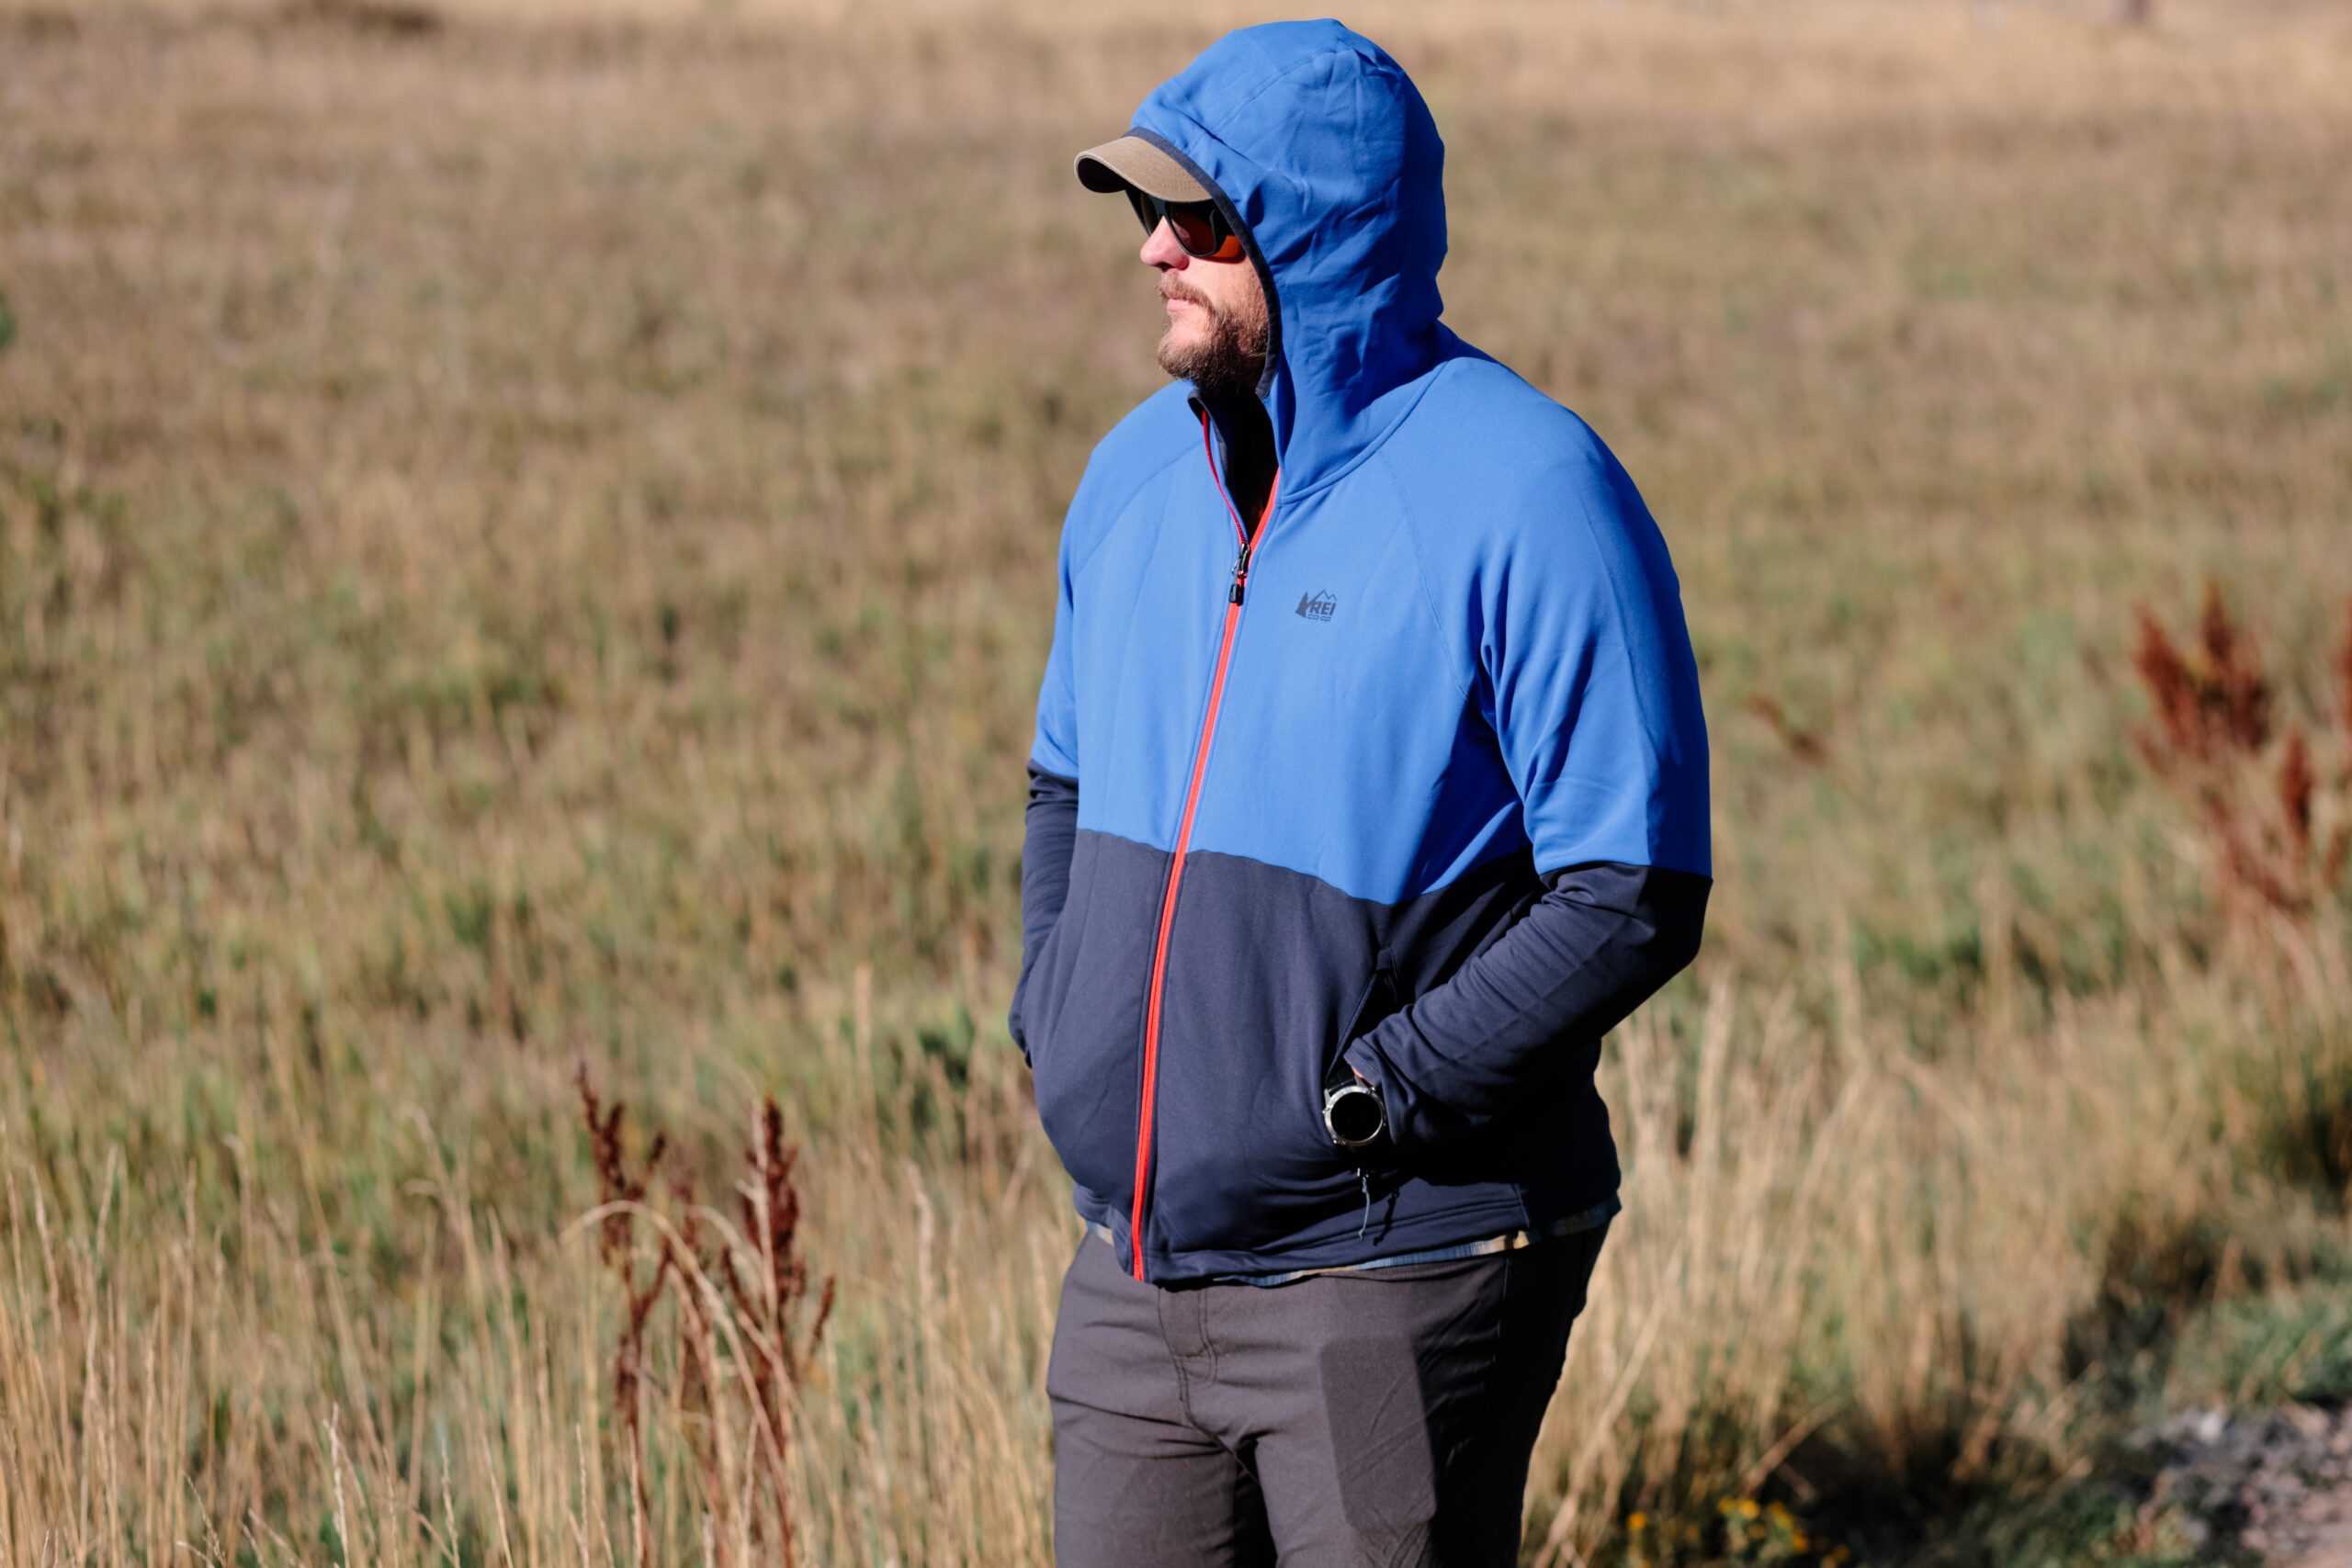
(1132, 161)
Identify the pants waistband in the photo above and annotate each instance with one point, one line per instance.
(1599, 1214)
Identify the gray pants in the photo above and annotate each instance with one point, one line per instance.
(1383, 1417)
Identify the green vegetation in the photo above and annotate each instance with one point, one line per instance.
(525, 542)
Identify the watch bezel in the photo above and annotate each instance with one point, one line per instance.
(1332, 1099)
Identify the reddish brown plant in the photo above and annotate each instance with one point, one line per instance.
(2297, 784)
(1805, 744)
(760, 1288)
(620, 1194)
(2344, 675)
(2208, 703)
(2234, 671)
(2213, 709)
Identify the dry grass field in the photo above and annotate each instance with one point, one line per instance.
(527, 539)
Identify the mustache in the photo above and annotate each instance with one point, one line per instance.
(1175, 288)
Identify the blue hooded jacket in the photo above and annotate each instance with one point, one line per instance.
(1416, 787)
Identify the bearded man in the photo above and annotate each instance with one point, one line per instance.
(1369, 791)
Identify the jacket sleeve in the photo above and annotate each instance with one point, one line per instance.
(1602, 939)
(1048, 839)
(1049, 834)
(1581, 665)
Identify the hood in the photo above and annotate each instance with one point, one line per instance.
(1329, 163)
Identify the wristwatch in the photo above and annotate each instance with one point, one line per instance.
(1353, 1113)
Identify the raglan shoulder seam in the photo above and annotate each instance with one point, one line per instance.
(1135, 492)
(1597, 448)
(1464, 680)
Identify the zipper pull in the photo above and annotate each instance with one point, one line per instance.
(1241, 576)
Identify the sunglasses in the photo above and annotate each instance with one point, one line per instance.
(1198, 226)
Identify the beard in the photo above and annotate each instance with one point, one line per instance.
(1228, 361)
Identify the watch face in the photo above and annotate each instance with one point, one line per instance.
(1353, 1115)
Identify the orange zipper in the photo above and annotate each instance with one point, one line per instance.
(1184, 839)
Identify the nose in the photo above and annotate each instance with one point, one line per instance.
(1161, 248)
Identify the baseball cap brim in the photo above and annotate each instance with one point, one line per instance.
(1132, 161)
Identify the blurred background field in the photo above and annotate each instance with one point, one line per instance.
(526, 536)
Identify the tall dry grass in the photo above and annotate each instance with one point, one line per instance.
(524, 543)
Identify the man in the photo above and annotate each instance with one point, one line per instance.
(1369, 791)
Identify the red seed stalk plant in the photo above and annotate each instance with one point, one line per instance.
(738, 1297)
(2214, 742)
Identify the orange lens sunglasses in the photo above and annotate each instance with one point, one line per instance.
(1198, 226)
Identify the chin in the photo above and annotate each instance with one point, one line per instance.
(1180, 343)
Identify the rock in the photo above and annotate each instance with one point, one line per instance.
(2272, 1482)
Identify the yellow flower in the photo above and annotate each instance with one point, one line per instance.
(1747, 1508)
(1637, 1521)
